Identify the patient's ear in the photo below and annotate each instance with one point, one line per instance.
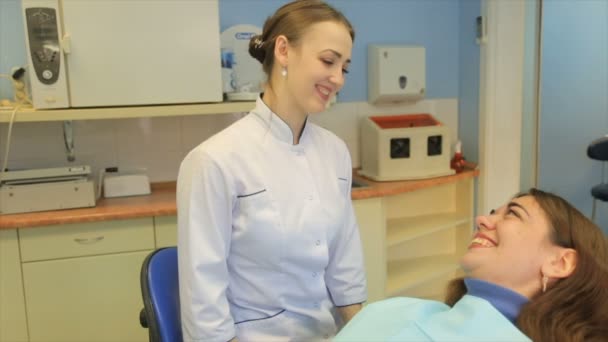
(561, 263)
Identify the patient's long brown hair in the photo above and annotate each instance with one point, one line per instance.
(575, 308)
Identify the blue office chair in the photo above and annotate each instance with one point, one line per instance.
(160, 292)
(598, 150)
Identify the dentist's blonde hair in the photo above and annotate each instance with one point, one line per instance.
(292, 20)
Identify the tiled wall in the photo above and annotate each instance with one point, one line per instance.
(159, 144)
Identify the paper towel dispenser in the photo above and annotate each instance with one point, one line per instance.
(396, 73)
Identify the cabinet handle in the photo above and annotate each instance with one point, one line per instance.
(88, 241)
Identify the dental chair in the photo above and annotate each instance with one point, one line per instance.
(598, 150)
(160, 292)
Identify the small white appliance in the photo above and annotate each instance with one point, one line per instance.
(403, 147)
(122, 185)
(46, 189)
(98, 53)
(395, 73)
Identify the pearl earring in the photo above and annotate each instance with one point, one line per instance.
(545, 280)
(284, 72)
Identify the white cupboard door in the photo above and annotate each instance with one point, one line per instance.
(165, 228)
(134, 52)
(12, 304)
(95, 298)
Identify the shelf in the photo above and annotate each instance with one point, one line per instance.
(404, 229)
(32, 115)
(405, 274)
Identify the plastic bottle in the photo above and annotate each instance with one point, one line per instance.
(458, 161)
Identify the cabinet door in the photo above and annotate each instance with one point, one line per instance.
(143, 52)
(12, 305)
(96, 298)
(372, 228)
(165, 230)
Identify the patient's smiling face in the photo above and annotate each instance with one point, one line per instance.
(510, 245)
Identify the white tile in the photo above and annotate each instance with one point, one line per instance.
(196, 129)
(85, 128)
(341, 119)
(95, 136)
(160, 165)
(366, 109)
(38, 129)
(42, 141)
(3, 132)
(159, 144)
(155, 134)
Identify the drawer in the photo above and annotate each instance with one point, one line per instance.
(73, 240)
(166, 231)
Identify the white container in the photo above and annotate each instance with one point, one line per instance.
(404, 147)
(125, 185)
(396, 73)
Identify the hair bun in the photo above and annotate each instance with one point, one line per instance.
(257, 48)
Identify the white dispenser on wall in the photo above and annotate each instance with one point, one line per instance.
(396, 73)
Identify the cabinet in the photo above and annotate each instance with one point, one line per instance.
(427, 231)
(165, 231)
(371, 218)
(13, 326)
(81, 281)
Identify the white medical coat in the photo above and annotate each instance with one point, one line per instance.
(267, 238)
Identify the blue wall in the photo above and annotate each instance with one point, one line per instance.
(12, 45)
(431, 23)
(530, 96)
(574, 98)
(468, 91)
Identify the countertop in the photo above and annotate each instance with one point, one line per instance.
(162, 202)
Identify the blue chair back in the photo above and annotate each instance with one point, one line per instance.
(160, 291)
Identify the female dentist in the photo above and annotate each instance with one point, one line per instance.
(268, 244)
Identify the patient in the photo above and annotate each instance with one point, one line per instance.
(536, 269)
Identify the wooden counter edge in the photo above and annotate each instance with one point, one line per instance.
(162, 202)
